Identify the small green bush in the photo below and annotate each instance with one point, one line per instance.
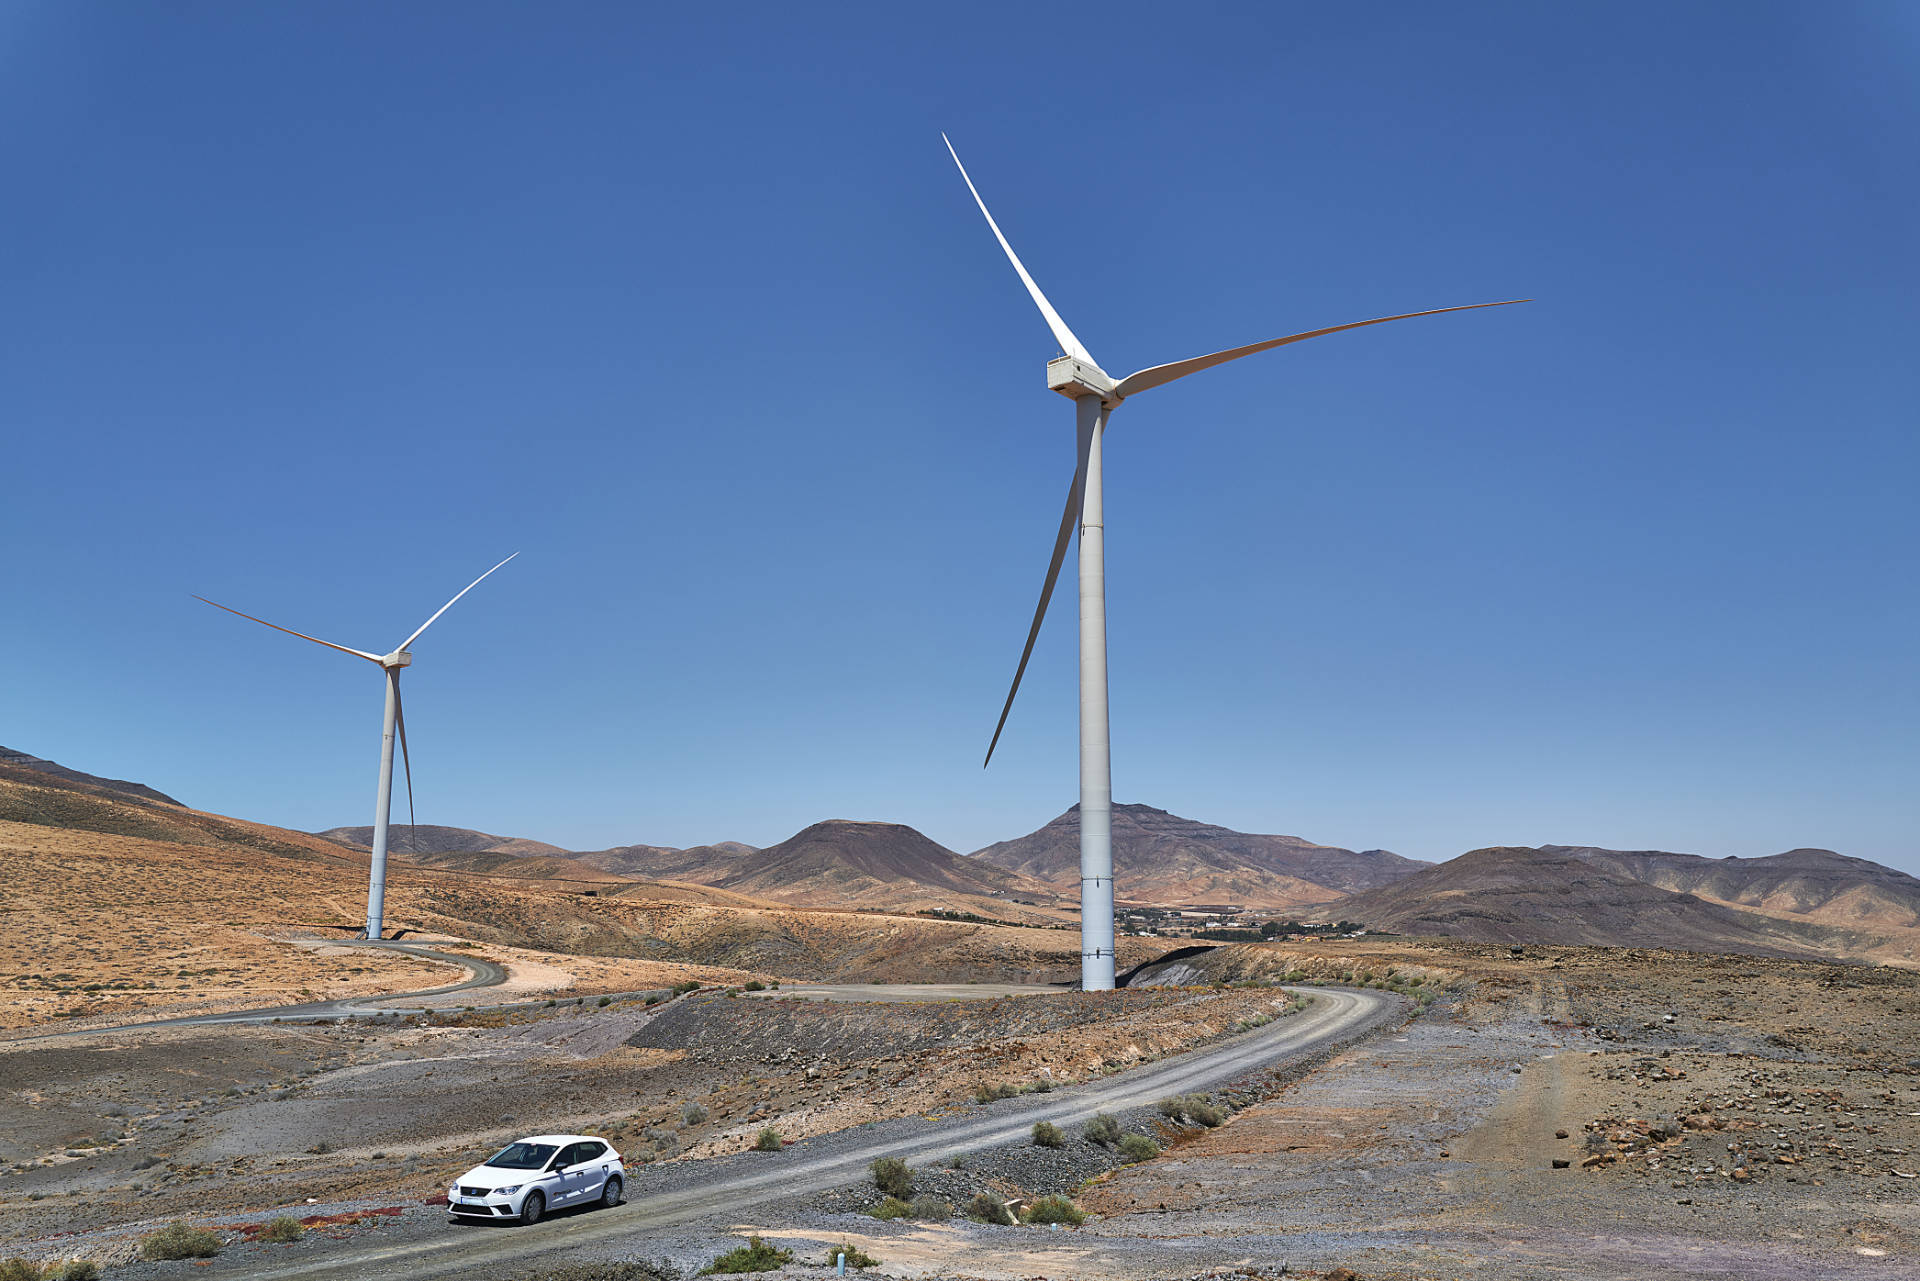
(891, 1176)
(1174, 1109)
(1055, 1209)
(1048, 1135)
(27, 1270)
(988, 1208)
(282, 1230)
(1103, 1129)
(755, 1256)
(1042, 1085)
(755, 985)
(891, 1208)
(984, 1093)
(932, 1208)
(1201, 1112)
(604, 1002)
(856, 1257)
(1138, 1147)
(180, 1241)
(692, 1114)
(769, 1141)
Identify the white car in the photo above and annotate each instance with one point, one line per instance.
(525, 1179)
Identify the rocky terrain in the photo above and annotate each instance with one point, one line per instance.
(428, 838)
(119, 907)
(208, 1120)
(1169, 860)
(1516, 894)
(663, 862)
(847, 862)
(1815, 885)
(49, 773)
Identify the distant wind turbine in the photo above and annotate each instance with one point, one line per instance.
(395, 719)
(1076, 375)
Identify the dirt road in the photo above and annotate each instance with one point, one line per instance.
(482, 973)
(661, 1196)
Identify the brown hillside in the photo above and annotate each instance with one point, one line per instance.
(428, 838)
(118, 914)
(700, 865)
(1521, 895)
(1161, 858)
(56, 775)
(1818, 885)
(840, 862)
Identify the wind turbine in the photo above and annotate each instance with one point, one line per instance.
(396, 719)
(1095, 394)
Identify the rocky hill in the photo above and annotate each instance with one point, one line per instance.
(1818, 885)
(878, 864)
(50, 774)
(427, 838)
(1514, 894)
(1163, 859)
(699, 864)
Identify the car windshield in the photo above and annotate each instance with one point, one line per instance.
(521, 1156)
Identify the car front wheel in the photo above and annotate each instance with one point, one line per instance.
(533, 1208)
(610, 1195)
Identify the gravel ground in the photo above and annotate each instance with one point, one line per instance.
(929, 1135)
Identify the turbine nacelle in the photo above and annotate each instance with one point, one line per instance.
(1076, 379)
(399, 658)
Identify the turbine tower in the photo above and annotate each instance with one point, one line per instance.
(1095, 394)
(395, 719)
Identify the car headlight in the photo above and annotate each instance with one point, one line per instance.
(509, 1191)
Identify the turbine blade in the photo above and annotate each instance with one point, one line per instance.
(449, 605)
(400, 723)
(358, 653)
(1063, 335)
(1075, 492)
(1159, 374)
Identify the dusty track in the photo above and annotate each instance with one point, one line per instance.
(731, 1186)
(483, 973)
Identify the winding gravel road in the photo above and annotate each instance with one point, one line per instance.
(481, 973)
(679, 1192)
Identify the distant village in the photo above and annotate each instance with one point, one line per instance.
(1224, 922)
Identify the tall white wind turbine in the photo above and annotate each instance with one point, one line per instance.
(1095, 394)
(395, 719)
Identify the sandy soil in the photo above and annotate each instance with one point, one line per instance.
(95, 1131)
(101, 927)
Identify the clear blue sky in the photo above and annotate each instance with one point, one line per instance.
(319, 310)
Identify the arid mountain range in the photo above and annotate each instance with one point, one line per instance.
(21, 760)
(1797, 903)
(1819, 885)
(1170, 859)
(1519, 895)
(429, 839)
(1802, 902)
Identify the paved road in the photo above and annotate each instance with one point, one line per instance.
(481, 973)
(660, 1196)
(909, 992)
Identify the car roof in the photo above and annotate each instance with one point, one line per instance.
(560, 1138)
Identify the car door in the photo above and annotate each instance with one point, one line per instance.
(566, 1181)
(592, 1170)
